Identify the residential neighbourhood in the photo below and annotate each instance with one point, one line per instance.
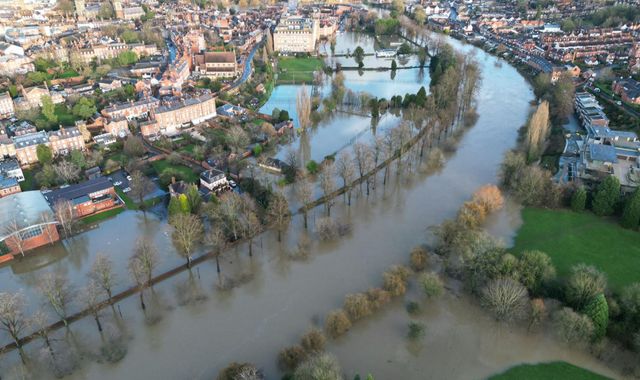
(319, 190)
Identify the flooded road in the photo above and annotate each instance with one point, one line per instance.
(192, 328)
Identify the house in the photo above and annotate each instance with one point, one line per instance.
(11, 169)
(6, 106)
(35, 227)
(177, 187)
(26, 145)
(172, 116)
(64, 140)
(274, 164)
(107, 85)
(214, 180)
(104, 139)
(117, 127)
(628, 89)
(89, 197)
(282, 126)
(8, 186)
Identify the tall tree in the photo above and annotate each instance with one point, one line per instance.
(44, 154)
(328, 184)
(12, 318)
(631, 212)
(90, 296)
(598, 311)
(358, 56)
(217, 240)
(140, 187)
(279, 214)
(346, 171)
(303, 107)
(57, 291)
(65, 216)
(103, 275)
(606, 196)
(304, 192)
(579, 199)
(49, 109)
(187, 234)
(538, 131)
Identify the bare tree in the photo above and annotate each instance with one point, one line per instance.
(14, 237)
(47, 220)
(142, 264)
(146, 254)
(304, 192)
(57, 291)
(328, 185)
(303, 107)
(102, 274)
(217, 240)
(278, 212)
(251, 226)
(140, 186)
(237, 139)
(187, 233)
(67, 171)
(12, 318)
(90, 296)
(40, 322)
(65, 215)
(227, 214)
(506, 298)
(346, 170)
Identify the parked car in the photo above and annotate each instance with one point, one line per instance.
(128, 178)
(117, 183)
(232, 183)
(126, 190)
(619, 103)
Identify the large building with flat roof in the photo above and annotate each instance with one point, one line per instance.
(26, 222)
(295, 35)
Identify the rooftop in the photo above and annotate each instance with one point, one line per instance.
(26, 208)
(79, 190)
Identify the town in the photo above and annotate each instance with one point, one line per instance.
(219, 164)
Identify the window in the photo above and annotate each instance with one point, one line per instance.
(30, 232)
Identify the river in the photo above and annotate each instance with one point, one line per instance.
(192, 329)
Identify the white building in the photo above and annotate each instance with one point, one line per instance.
(296, 35)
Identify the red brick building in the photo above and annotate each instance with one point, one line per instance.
(87, 198)
(26, 222)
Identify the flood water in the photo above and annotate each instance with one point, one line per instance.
(192, 329)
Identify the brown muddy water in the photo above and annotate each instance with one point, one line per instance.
(191, 328)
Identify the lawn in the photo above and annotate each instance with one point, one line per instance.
(101, 216)
(29, 182)
(187, 173)
(297, 69)
(543, 371)
(570, 238)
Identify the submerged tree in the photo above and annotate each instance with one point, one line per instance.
(12, 318)
(328, 185)
(187, 234)
(65, 216)
(279, 214)
(91, 297)
(57, 291)
(506, 298)
(304, 192)
(103, 275)
(216, 239)
(346, 171)
(303, 108)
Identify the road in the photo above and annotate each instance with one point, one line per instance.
(247, 68)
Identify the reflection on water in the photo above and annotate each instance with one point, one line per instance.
(197, 323)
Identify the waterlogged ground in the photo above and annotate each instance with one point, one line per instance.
(192, 328)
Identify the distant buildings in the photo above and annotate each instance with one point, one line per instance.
(6, 106)
(295, 35)
(61, 142)
(169, 118)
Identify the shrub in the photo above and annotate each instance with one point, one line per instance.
(585, 282)
(401, 271)
(598, 311)
(418, 258)
(357, 306)
(416, 330)
(489, 197)
(413, 307)
(579, 199)
(378, 297)
(291, 357)
(313, 341)
(630, 301)
(572, 327)
(312, 167)
(471, 215)
(394, 284)
(337, 323)
(319, 367)
(606, 196)
(535, 270)
(431, 284)
(506, 298)
(326, 228)
(235, 371)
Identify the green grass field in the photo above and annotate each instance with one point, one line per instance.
(545, 371)
(570, 238)
(187, 172)
(101, 216)
(297, 69)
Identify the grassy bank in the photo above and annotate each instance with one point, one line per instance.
(297, 70)
(570, 238)
(554, 370)
(101, 216)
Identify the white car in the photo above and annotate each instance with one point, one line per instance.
(117, 183)
(232, 183)
(128, 178)
(126, 190)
